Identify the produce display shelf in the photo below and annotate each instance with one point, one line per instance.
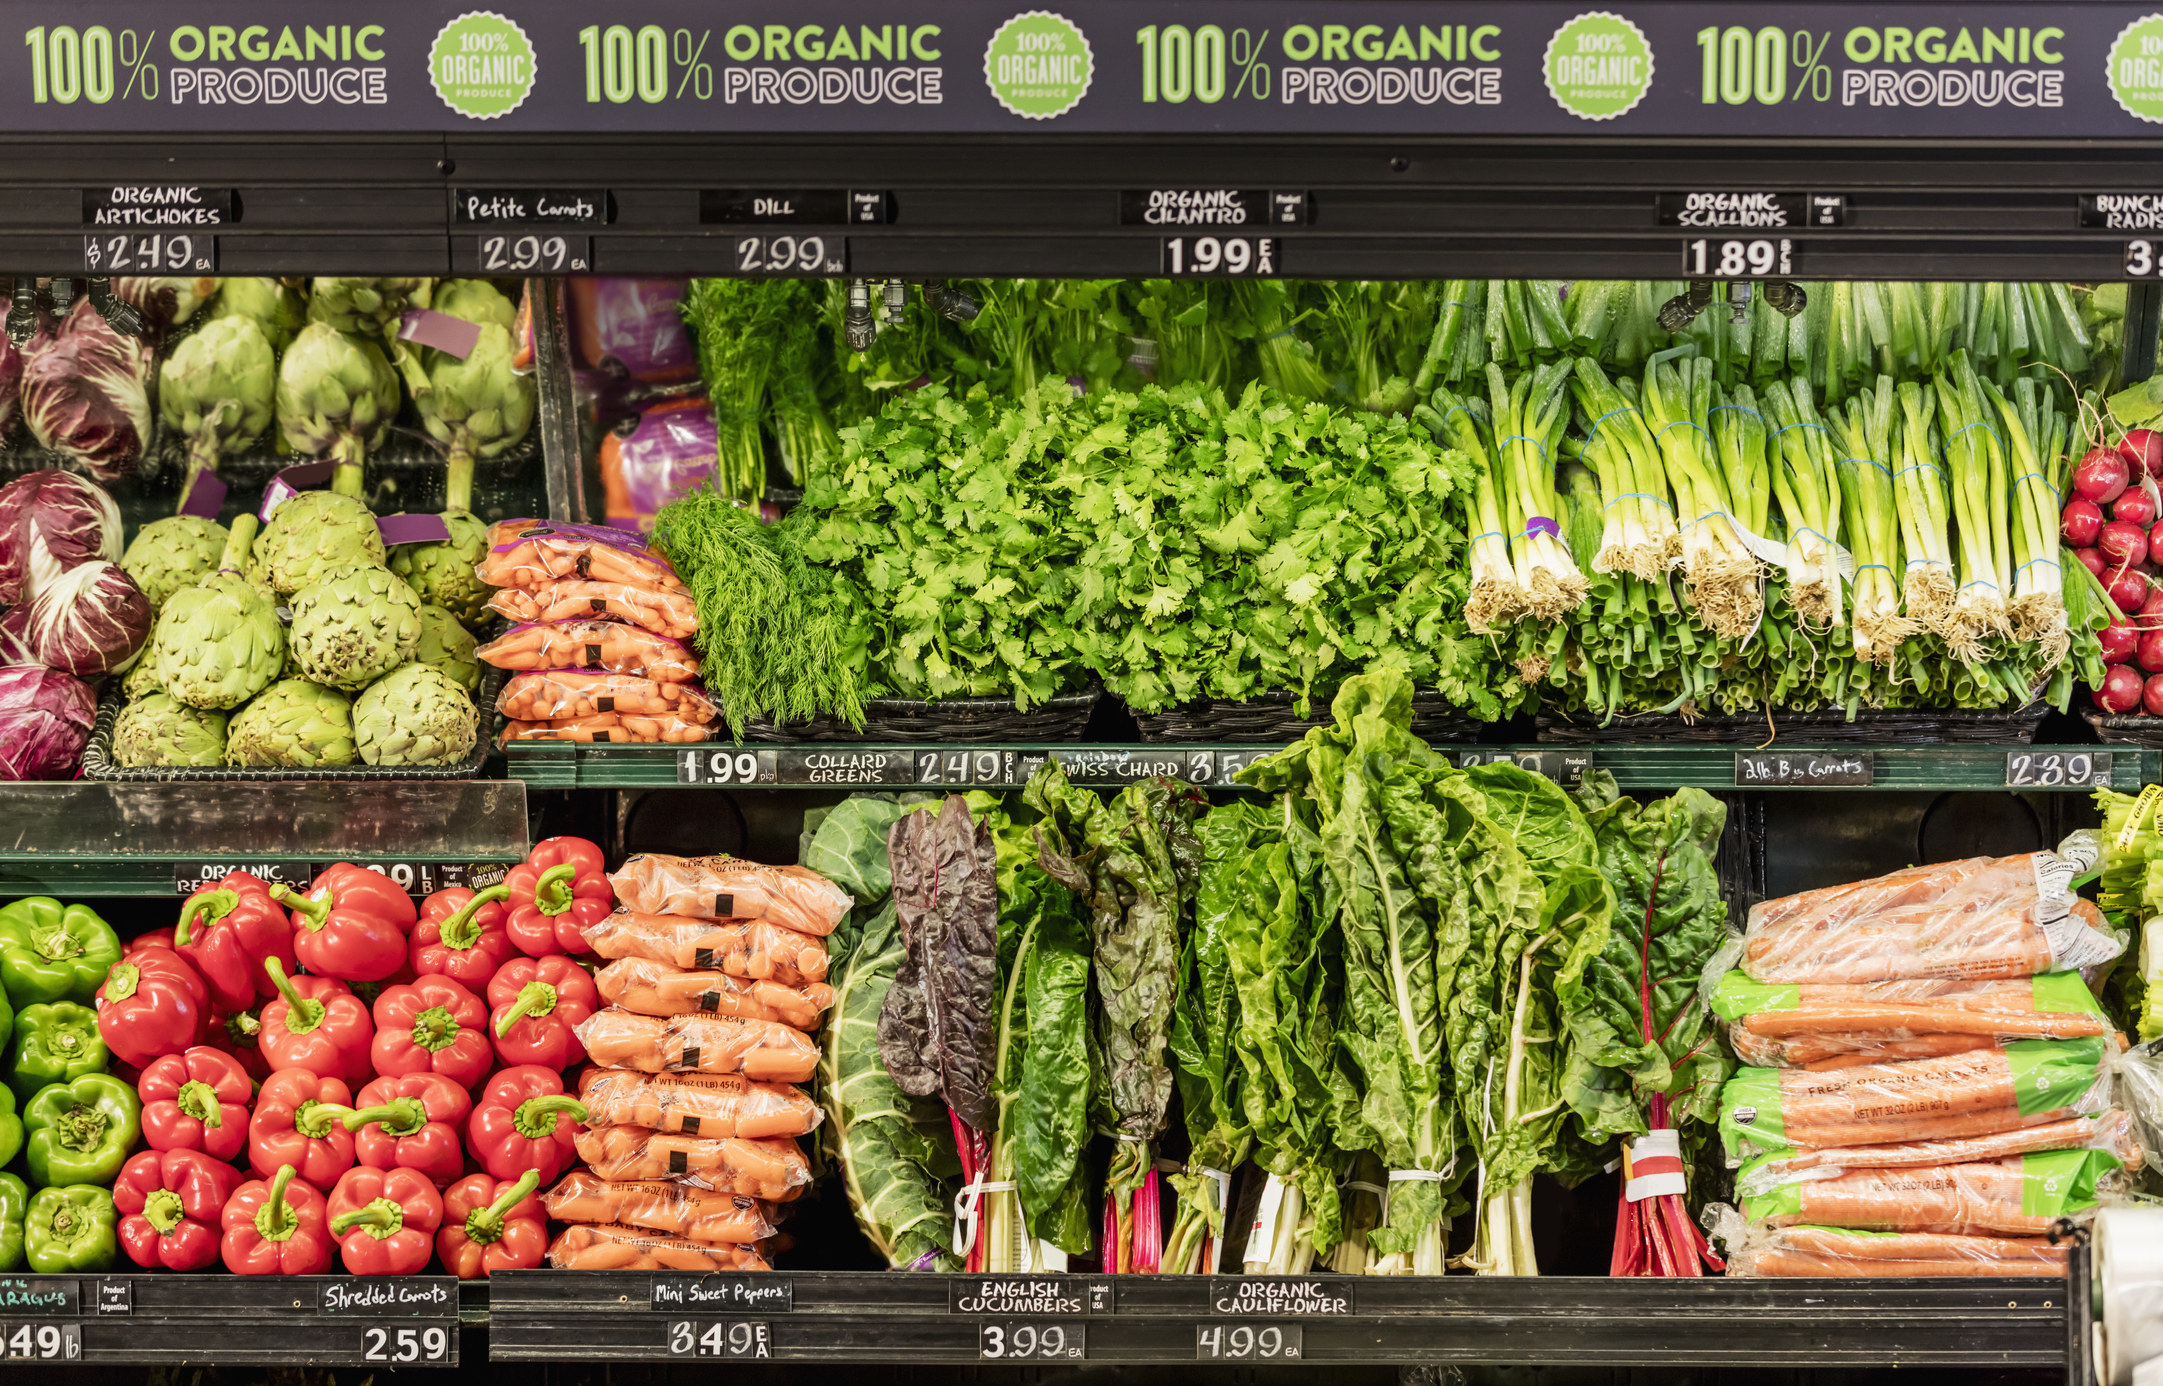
(1041, 1320)
(267, 1320)
(852, 765)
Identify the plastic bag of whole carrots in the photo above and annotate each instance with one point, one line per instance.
(731, 888)
(547, 694)
(1832, 1251)
(760, 1049)
(610, 728)
(774, 1169)
(697, 1104)
(507, 531)
(672, 614)
(2020, 1195)
(655, 988)
(1972, 920)
(614, 1247)
(2111, 1132)
(546, 553)
(1834, 1024)
(751, 948)
(658, 1205)
(1979, 1093)
(613, 646)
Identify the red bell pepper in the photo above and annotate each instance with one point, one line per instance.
(317, 1023)
(277, 1227)
(240, 1035)
(170, 1205)
(491, 1225)
(433, 1025)
(411, 1122)
(525, 1120)
(352, 923)
(299, 1121)
(460, 936)
(156, 938)
(152, 1004)
(560, 889)
(535, 1003)
(385, 1220)
(226, 931)
(196, 1100)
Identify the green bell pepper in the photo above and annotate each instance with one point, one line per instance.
(57, 1042)
(72, 1228)
(14, 1204)
(54, 952)
(81, 1132)
(11, 1127)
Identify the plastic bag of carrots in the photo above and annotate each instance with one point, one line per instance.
(658, 1205)
(742, 948)
(697, 1104)
(2111, 1132)
(655, 988)
(614, 1247)
(731, 888)
(772, 1169)
(668, 613)
(546, 694)
(2020, 1195)
(1834, 1024)
(507, 531)
(546, 553)
(610, 728)
(612, 646)
(760, 1049)
(1840, 1252)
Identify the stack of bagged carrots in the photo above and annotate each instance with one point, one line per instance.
(1932, 1080)
(714, 984)
(599, 651)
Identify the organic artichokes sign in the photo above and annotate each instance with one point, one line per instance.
(175, 552)
(415, 716)
(294, 724)
(365, 307)
(447, 647)
(159, 730)
(336, 398)
(216, 390)
(218, 644)
(354, 627)
(314, 534)
(278, 310)
(444, 573)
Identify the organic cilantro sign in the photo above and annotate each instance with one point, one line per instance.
(1598, 66)
(1039, 65)
(481, 65)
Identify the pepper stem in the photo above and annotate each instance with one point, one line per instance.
(535, 1118)
(314, 914)
(200, 1100)
(401, 1116)
(534, 998)
(552, 892)
(277, 1220)
(218, 904)
(382, 1218)
(80, 1128)
(462, 930)
(241, 1027)
(302, 1013)
(485, 1225)
(436, 1029)
(312, 1118)
(162, 1210)
(121, 981)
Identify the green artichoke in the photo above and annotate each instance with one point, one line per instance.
(215, 390)
(175, 552)
(218, 644)
(142, 676)
(352, 628)
(294, 723)
(366, 307)
(160, 731)
(336, 397)
(277, 309)
(448, 647)
(312, 535)
(443, 573)
(475, 300)
(415, 716)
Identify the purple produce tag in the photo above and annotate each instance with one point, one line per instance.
(291, 482)
(1540, 524)
(454, 336)
(412, 529)
(205, 495)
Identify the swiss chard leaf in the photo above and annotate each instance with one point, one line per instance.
(937, 1030)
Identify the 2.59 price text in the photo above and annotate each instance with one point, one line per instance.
(431, 1344)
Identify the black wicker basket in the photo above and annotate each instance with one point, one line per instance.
(2125, 729)
(1869, 727)
(950, 720)
(1274, 717)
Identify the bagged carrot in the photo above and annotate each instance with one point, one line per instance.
(750, 948)
(610, 728)
(656, 988)
(547, 694)
(1833, 1024)
(1831, 1251)
(672, 614)
(731, 888)
(774, 1169)
(507, 531)
(616, 1038)
(659, 1205)
(612, 1247)
(2020, 1195)
(697, 1104)
(546, 553)
(2110, 1132)
(610, 645)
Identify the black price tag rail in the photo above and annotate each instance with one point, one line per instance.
(397, 1321)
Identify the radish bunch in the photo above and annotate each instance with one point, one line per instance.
(2123, 552)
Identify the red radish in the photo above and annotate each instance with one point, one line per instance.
(2122, 689)
(2101, 475)
(2081, 522)
(2127, 588)
(2118, 640)
(2135, 507)
(2151, 696)
(2123, 542)
(2149, 653)
(2142, 450)
(2094, 559)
